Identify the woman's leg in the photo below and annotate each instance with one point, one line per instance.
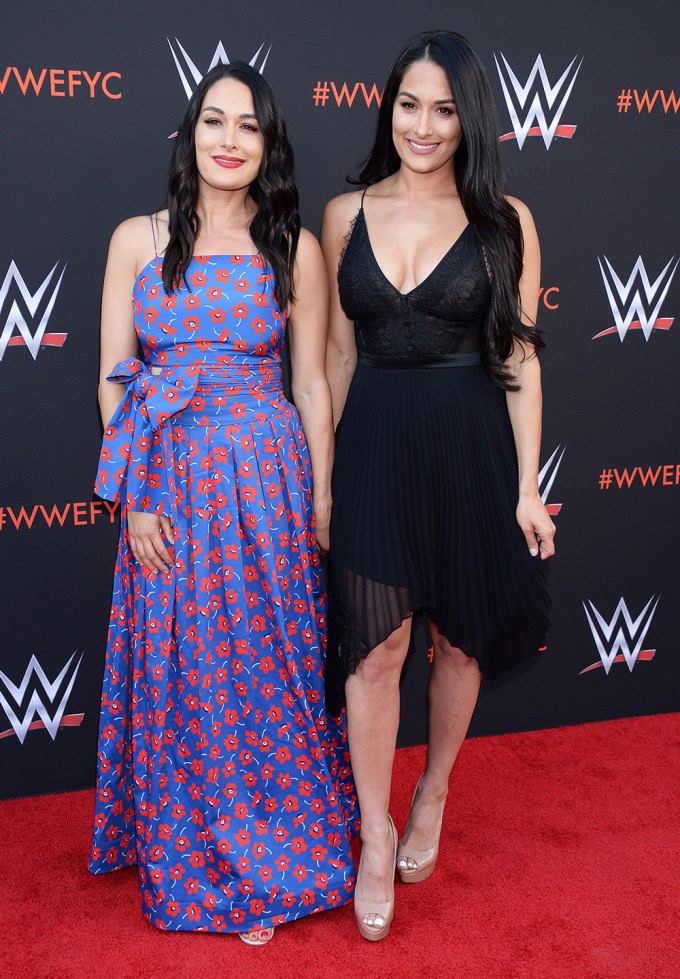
(372, 721)
(453, 691)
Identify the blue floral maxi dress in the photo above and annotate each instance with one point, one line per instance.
(219, 771)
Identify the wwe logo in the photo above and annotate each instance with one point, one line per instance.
(44, 699)
(517, 99)
(14, 289)
(219, 58)
(546, 478)
(16, 293)
(620, 640)
(637, 303)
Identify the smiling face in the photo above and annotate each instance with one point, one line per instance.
(426, 128)
(228, 139)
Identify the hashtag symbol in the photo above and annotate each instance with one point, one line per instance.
(606, 478)
(624, 100)
(2, 517)
(321, 93)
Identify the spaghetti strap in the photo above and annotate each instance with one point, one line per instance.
(153, 234)
(350, 231)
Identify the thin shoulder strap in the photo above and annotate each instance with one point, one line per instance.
(350, 231)
(153, 235)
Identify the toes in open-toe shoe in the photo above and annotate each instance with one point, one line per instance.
(256, 936)
(374, 918)
(416, 865)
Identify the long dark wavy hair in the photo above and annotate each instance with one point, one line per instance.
(275, 227)
(479, 180)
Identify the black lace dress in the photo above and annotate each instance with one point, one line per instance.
(425, 482)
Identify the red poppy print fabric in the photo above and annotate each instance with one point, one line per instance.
(220, 773)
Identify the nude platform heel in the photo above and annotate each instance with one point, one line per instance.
(425, 860)
(362, 908)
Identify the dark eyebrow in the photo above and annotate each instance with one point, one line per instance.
(216, 108)
(415, 98)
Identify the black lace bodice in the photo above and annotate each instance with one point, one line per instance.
(445, 314)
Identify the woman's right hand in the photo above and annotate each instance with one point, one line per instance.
(146, 532)
(322, 522)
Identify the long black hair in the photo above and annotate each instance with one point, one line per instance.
(479, 181)
(275, 227)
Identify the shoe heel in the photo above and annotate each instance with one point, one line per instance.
(425, 860)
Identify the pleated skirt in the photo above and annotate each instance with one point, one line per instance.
(425, 488)
(219, 772)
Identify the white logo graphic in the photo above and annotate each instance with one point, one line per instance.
(546, 478)
(219, 58)
(45, 700)
(620, 640)
(24, 308)
(535, 121)
(636, 304)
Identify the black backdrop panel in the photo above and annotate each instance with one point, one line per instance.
(88, 100)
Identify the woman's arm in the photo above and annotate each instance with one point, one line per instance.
(118, 337)
(128, 253)
(341, 356)
(525, 405)
(308, 329)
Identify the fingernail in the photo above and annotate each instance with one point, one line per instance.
(533, 551)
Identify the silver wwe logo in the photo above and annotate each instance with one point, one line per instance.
(546, 478)
(636, 303)
(532, 105)
(47, 700)
(620, 640)
(24, 307)
(189, 74)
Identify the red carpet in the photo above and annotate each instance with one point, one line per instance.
(560, 858)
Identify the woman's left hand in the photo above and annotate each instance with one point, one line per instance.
(537, 527)
(322, 522)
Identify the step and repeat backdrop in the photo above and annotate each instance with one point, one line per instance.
(588, 124)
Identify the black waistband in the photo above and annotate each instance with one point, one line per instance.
(434, 360)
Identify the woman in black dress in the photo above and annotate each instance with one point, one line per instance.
(436, 389)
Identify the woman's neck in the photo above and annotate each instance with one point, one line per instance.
(423, 186)
(224, 213)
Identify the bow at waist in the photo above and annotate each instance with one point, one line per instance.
(160, 392)
(135, 465)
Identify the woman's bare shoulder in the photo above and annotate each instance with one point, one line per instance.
(138, 239)
(523, 212)
(133, 232)
(342, 209)
(308, 244)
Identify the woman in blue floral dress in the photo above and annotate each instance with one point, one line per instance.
(220, 773)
